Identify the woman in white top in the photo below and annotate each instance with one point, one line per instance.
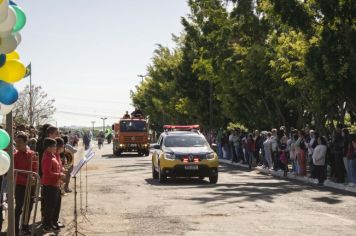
(319, 155)
(267, 146)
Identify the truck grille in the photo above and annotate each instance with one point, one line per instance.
(133, 139)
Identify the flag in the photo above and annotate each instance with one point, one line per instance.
(28, 70)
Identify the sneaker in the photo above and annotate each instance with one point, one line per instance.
(56, 228)
(68, 191)
(59, 224)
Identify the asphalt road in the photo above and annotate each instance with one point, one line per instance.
(123, 199)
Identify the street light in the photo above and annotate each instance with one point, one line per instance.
(142, 77)
(104, 118)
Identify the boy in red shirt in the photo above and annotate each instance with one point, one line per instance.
(51, 177)
(24, 159)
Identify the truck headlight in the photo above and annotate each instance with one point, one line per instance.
(169, 156)
(210, 156)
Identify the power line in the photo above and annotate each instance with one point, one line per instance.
(87, 114)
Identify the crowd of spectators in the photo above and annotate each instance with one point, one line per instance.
(301, 152)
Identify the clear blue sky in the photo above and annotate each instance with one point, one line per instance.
(87, 53)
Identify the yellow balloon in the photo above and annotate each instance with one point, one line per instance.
(13, 71)
(12, 56)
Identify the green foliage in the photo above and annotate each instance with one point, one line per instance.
(260, 64)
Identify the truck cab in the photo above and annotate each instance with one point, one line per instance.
(131, 135)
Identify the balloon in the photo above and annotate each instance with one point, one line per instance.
(2, 59)
(12, 71)
(20, 18)
(4, 162)
(18, 37)
(5, 109)
(8, 44)
(4, 6)
(4, 139)
(13, 56)
(8, 93)
(8, 24)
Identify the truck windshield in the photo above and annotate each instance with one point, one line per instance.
(133, 126)
(185, 141)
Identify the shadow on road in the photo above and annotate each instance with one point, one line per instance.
(128, 155)
(253, 189)
(180, 182)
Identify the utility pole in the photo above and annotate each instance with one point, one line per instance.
(142, 77)
(93, 123)
(103, 118)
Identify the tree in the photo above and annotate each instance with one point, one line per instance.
(264, 63)
(42, 107)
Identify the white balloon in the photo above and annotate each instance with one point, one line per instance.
(4, 6)
(18, 37)
(5, 109)
(8, 44)
(9, 23)
(4, 164)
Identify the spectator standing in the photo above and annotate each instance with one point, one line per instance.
(267, 147)
(338, 152)
(259, 146)
(300, 148)
(219, 137)
(319, 156)
(52, 173)
(24, 159)
(250, 149)
(274, 146)
(347, 143)
(352, 160)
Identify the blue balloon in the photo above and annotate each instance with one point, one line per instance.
(8, 93)
(12, 3)
(2, 60)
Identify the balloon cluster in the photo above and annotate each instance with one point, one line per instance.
(12, 70)
(4, 157)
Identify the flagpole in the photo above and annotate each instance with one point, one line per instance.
(31, 118)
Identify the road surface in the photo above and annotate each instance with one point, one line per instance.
(123, 199)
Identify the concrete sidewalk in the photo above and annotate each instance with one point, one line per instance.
(304, 179)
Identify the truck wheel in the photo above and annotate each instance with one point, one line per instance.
(154, 172)
(213, 179)
(117, 153)
(162, 178)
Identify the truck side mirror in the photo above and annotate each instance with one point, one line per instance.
(156, 146)
(113, 127)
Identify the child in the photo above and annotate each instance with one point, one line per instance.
(24, 159)
(61, 159)
(51, 176)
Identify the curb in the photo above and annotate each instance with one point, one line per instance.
(304, 179)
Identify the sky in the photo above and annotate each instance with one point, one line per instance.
(86, 54)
